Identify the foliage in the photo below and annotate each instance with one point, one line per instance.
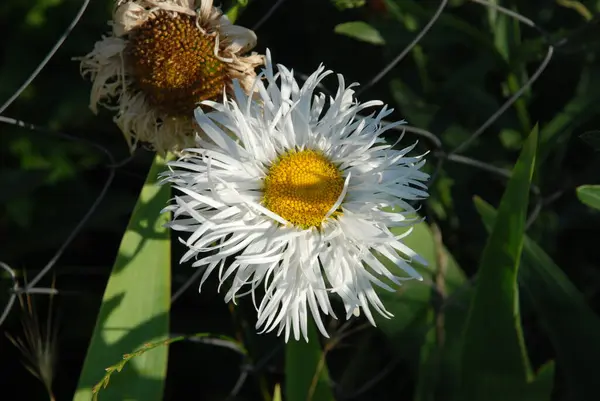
(136, 302)
(494, 361)
(361, 31)
(590, 195)
(306, 370)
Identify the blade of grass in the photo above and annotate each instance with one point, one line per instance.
(494, 359)
(135, 304)
(573, 327)
(507, 38)
(306, 375)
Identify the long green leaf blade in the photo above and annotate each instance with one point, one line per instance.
(135, 304)
(306, 375)
(419, 329)
(573, 327)
(494, 360)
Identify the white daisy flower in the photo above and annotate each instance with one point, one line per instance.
(298, 201)
(161, 59)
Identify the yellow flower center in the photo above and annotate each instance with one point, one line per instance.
(302, 186)
(173, 63)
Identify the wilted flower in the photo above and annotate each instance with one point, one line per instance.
(298, 202)
(161, 59)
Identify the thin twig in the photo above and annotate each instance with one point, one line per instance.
(432, 138)
(41, 66)
(506, 11)
(36, 128)
(29, 288)
(406, 50)
(44, 291)
(214, 341)
(239, 383)
(479, 164)
(541, 203)
(12, 297)
(248, 368)
(375, 380)
(268, 14)
(75, 231)
(487, 167)
(538, 72)
(187, 284)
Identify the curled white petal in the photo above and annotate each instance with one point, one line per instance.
(114, 85)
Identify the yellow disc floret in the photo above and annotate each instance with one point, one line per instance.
(173, 63)
(302, 186)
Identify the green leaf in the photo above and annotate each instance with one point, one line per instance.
(571, 324)
(440, 353)
(306, 372)
(428, 373)
(590, 195)
(412, 330)
(360, 30)
(236, 10)
(135, 305)
(414, 298)
(511, 139)
(543, 384)
(277, 393)
(578, 7)
(494, 359)
(507, 38)
(425, 337)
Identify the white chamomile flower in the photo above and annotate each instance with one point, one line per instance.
(292, 193)
(161, 59)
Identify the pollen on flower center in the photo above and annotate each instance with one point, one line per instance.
(302, 186)
(173, 63)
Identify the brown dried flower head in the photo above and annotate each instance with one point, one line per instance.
(161, 59)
